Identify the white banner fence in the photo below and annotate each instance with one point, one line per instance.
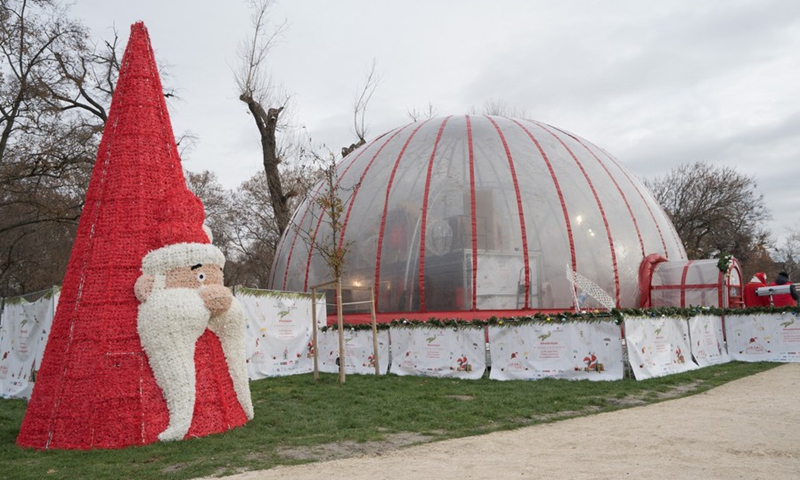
(658, 346)
(708, 340)
(358, 348)
(439, 351)
(279, 342)
(773, 337)
(24, 329)
(574, 350)
(279, 331)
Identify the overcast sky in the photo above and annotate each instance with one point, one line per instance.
(656, 84)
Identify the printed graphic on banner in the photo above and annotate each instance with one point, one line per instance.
(279, 332)
(708, 344)
(576, 351)
(358, 351)
(773, 337)
(658, 346)
(439, 352)
(24, 330)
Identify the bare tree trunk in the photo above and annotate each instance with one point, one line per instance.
(256, 91)
(267, 122)
(8, 117)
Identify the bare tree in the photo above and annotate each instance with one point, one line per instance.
(330, 244)
(787, 253)
(363, 95)
(760, 260)
(54, 89)
(257, 92)
(31, 36)
(216, 202)
(371, 81)
(418, 115)
(332, 207)
(498, 107)
(242, 222)
(714, 209)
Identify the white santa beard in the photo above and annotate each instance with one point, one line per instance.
(169, 323)
(229, 328)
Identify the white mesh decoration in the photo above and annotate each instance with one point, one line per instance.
(439, 237)
(589, 288)
(573, 289)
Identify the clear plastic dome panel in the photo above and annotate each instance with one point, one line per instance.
(687, 283)
(482, 213)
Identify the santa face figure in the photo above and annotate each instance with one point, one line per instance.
(181, 294)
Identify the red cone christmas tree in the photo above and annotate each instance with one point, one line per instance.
(95, 388)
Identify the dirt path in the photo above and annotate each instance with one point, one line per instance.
(747, 429)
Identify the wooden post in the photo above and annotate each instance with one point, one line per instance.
(627, 370)
(314, 332)
(340, 320)
(374, 331)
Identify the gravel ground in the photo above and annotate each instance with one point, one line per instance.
(747, 429)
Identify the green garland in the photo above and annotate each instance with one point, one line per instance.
(616, 316)
(354, 327)
(694, 311)
(279, 294)
(47, 294)
(724, 262)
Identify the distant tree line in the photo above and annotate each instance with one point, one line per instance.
(54, 89)
(716, 210)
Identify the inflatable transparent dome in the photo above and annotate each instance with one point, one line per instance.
(480, 214)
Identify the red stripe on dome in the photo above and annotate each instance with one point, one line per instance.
(311, 254)
(599, 205)
(294, 240)
(644, 200)
(683, 282)
(619, 189)
(474, 219)
(424, 220)
(308, 208)
(361, 180)
(557, 186)
(523, 232)
(386, 211)
(352, 200)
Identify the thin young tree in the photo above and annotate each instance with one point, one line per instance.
(329, 243)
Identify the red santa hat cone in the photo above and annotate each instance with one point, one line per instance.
(95, 388)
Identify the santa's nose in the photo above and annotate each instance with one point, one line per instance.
(217, 298)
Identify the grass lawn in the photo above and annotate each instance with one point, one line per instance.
(300, 421)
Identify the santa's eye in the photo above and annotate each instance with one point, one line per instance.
(201, 277)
